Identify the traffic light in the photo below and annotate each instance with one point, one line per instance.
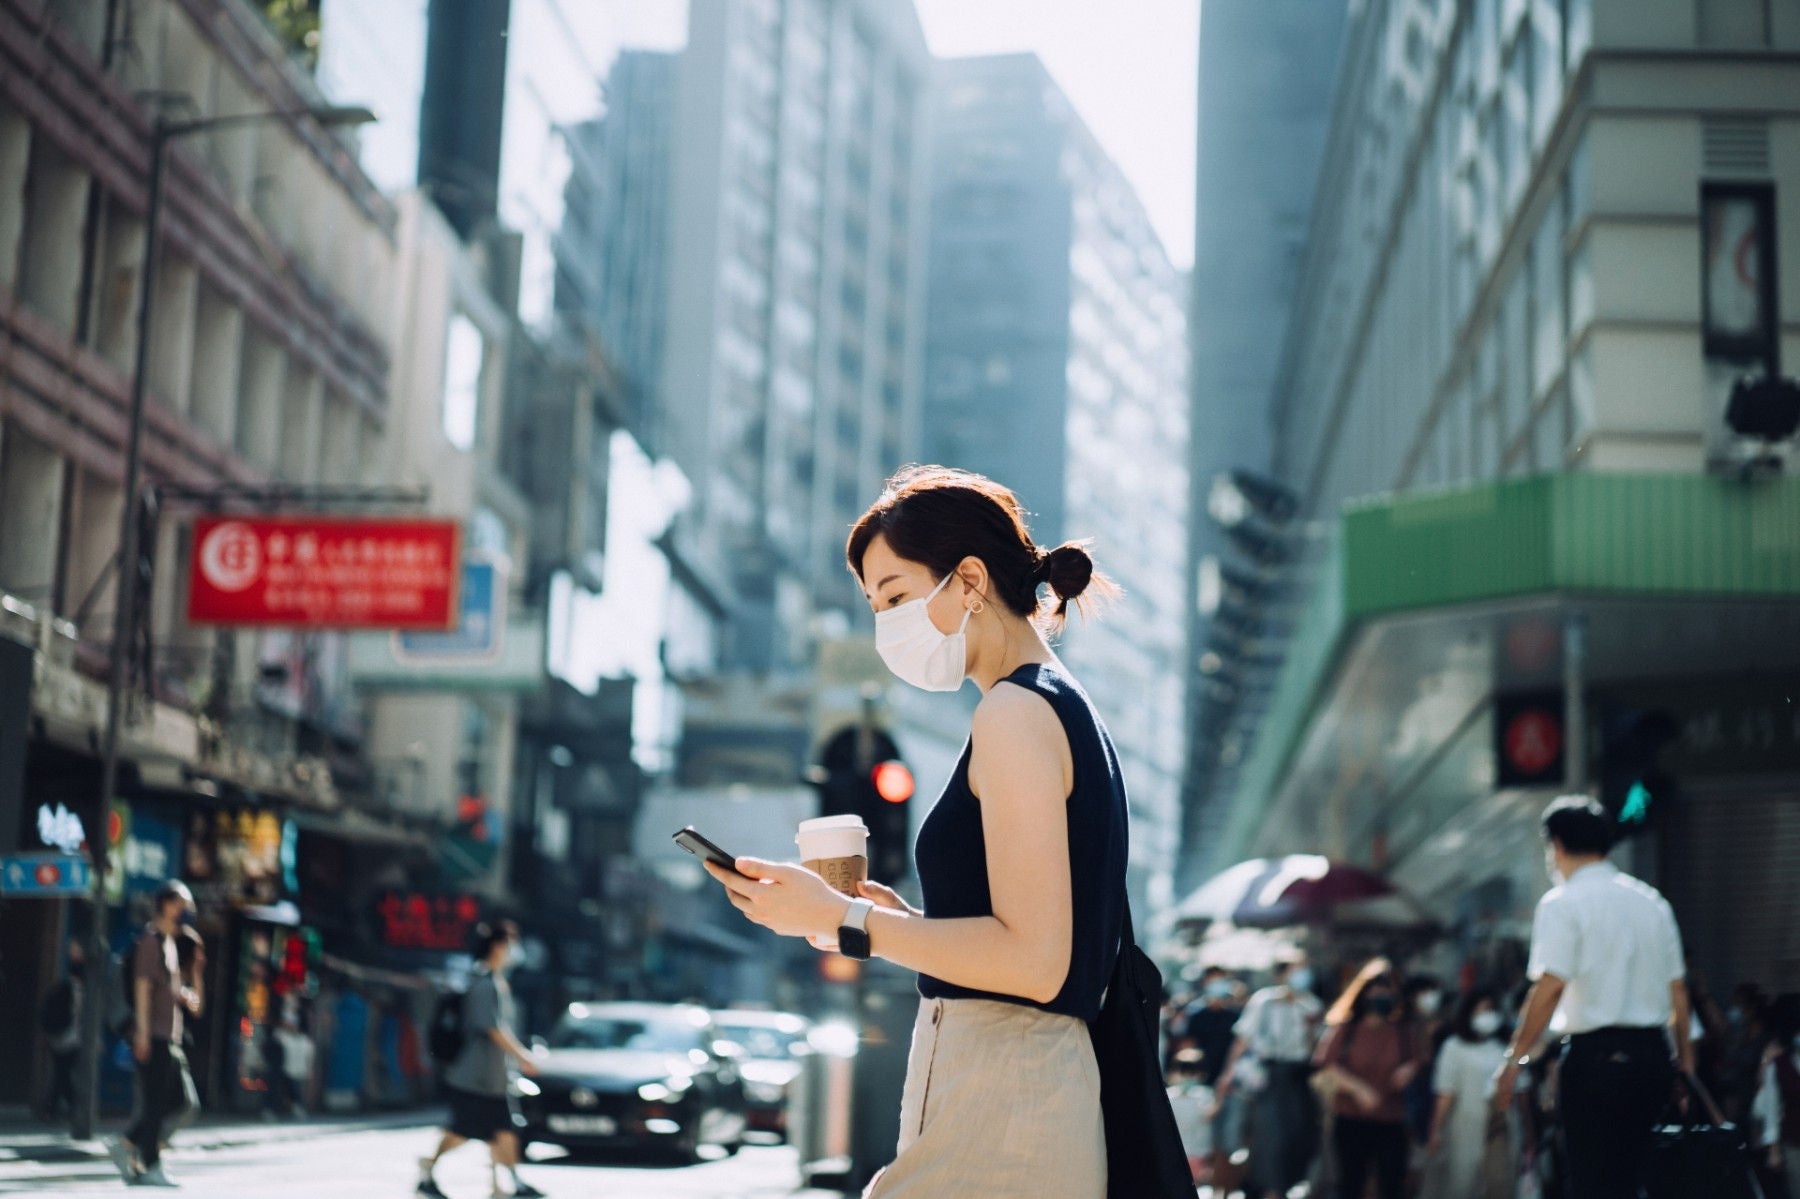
(860, 773)
(1634, 787)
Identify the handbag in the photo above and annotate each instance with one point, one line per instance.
(1144, 1155)
(1689, 1157)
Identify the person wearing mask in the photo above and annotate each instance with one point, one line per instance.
(479, 1081)
(1191, 1099)
(1463, 1083)
(1210, 1020)
(1776, 1110)
(60, 1020)
(1272, 1060)
(1017, 940)
(1605, 948)
(160, 997)
(1371, 1053)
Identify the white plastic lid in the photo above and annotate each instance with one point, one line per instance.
(827, 824)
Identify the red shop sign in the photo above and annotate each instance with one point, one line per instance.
(325, 572)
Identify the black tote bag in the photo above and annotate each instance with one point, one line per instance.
(1693, 1157)
(1144, 1157)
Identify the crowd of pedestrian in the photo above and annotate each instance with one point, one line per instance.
(1403, 1088)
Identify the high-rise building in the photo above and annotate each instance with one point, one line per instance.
(1543, 255)
(1266, 74)
(1056, 363)
(619, 207)
(792, 340)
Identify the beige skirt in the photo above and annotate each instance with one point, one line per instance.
(1001, 1102)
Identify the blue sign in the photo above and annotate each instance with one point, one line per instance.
(477, 632)
(45, 875)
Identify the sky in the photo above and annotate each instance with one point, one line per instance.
(1129, 66)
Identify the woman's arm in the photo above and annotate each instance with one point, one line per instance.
(1446, 1100)
(1020, 769)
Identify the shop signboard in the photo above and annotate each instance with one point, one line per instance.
(45, 875)
(419, 920)
(480, 625)
(325, 572)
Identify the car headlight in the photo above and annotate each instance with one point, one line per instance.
(764, 1092)
(669, 1088)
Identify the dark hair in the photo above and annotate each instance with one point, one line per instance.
(1461, 1024)
(1353, 1004)
(488, 935)
(173, 889)
(938, 516)
(1579, 824)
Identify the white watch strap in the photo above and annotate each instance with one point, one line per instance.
(858, 916)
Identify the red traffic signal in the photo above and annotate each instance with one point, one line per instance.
(893, 781)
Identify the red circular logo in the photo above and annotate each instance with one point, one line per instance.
(48, 874)
(1533, 741)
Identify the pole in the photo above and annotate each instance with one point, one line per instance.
(1575, 740)
(87, 1110)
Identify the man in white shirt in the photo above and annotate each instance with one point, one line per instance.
(1272, 1058)
(1604, 947)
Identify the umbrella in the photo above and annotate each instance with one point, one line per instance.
(1301, 889)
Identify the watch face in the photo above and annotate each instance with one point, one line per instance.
(853, 943)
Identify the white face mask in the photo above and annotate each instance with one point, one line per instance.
(1428, 1003)
(1556, 876)
(1485, 1024)
(916, 651)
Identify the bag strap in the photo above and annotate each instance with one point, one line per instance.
(1699, 1090)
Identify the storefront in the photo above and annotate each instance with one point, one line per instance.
(1468, 655)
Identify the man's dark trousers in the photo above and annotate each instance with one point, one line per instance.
(162, 1092)
(1614, 1083)
(62, 1096)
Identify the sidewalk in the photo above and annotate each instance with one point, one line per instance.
(25, 1140)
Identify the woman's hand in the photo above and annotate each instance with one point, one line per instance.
(882, 897)
(1405, 1074)
(885, 897)
(788, 900)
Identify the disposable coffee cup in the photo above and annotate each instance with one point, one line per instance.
(837, 849)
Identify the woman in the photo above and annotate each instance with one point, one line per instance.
(1021, 862)
(1371, 1053)
(1463, 1081)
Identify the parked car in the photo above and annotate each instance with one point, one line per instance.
(768, 1047)
(634, 1075)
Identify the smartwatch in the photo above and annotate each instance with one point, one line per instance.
(853, 936)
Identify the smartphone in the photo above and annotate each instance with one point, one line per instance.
(700, 847)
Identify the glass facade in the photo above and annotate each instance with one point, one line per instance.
(791, 355)
(1056, 363)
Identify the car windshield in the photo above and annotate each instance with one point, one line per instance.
(641, 1036)
(759, 1042)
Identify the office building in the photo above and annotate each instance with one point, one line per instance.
(1543, 249)
(791, 349)
(1056, 363)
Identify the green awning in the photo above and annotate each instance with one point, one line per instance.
(1598, 537)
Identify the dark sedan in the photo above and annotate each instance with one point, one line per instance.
(634, 1075)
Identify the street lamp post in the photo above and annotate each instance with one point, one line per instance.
(124, 609)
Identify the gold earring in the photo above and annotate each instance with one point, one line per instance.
(978, 607)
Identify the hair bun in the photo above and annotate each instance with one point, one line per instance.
(1068, 569)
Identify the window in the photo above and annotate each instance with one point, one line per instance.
(463, 355)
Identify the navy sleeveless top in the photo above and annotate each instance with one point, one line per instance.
(951, 851)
